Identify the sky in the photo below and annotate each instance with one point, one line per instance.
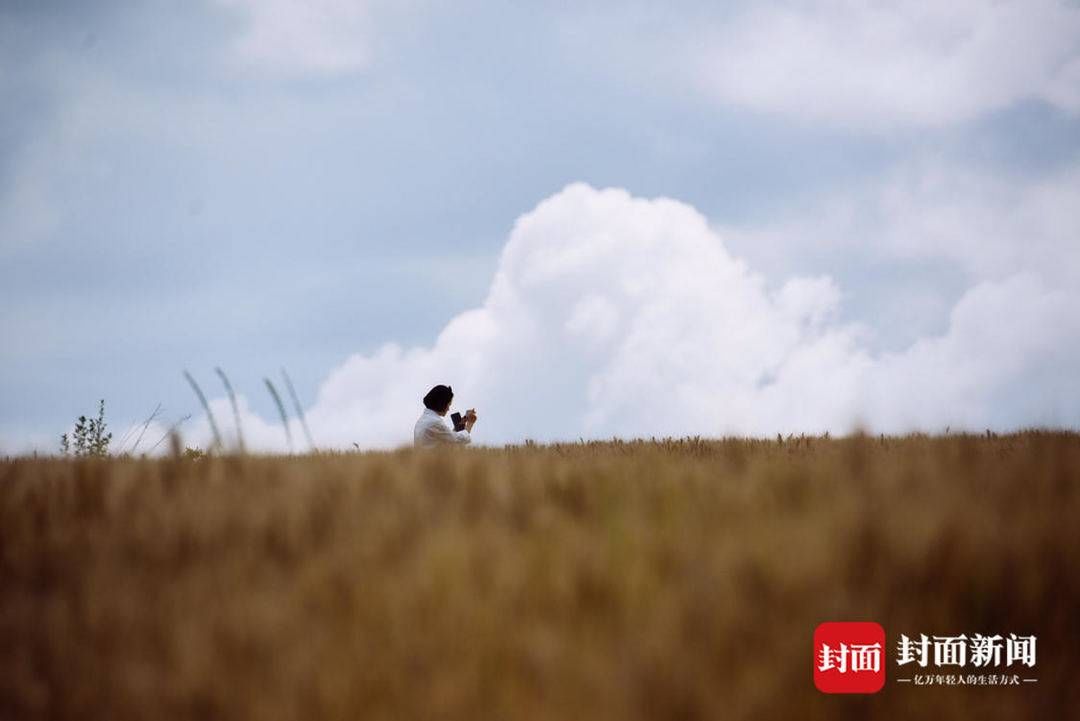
(591, 219)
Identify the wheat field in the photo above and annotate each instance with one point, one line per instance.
(670, 579)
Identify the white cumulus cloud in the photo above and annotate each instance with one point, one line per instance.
(1008, 359)
(616, 315)
(985, 226)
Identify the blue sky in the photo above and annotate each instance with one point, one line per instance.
(280, 184)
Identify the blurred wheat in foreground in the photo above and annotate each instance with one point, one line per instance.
(621, 580)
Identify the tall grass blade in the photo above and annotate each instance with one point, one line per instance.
(299, 409)
(235, 408)
(149, 420)
(206, 407)
(281, 410)
(172, 429)
(124, 439)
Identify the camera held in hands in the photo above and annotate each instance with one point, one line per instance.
(461, 421)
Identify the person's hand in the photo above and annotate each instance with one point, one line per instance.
(470, 418)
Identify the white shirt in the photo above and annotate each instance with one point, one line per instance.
(432, 430)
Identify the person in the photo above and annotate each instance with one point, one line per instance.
(431, 429)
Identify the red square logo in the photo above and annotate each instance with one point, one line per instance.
(849, 657)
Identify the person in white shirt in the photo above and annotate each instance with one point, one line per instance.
(431, 429)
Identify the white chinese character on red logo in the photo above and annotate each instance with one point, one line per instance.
(859, 657)
(866, 657)
(831, 658)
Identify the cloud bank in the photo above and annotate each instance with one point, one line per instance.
(878, 65)
(294, 37)
(616, 315)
